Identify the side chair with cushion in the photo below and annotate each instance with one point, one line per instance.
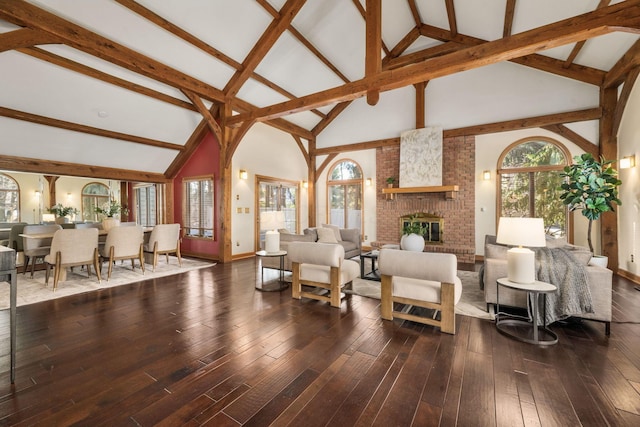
(123, 243)
(15, 240)
(322, 266)
(37, 248)
(70, 248)
(164, 239)
(421, 279)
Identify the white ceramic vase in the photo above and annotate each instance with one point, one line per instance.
(412, 242)
(599, 260)
(110, 222)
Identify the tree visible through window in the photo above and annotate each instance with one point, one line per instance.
(9, 199)
(529, 176)
(344, 193)
(198, 207)
(93, 194)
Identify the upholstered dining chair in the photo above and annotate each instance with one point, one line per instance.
(70, 248)
(164, 239)
(37, 247)
(122, 243)
(420, 279)
(320, 265)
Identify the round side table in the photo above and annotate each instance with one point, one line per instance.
(522, 330)
(281, 283)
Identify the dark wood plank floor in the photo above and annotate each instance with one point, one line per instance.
(205, 348)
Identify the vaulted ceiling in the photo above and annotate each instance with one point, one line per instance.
(123, 89)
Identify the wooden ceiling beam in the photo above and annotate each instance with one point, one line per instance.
(451, 17)
(87, 41)
(273, 32)
(578, 47)
(422, 55)
(621, 16)
(25, 37)
(75, 127)
(202, 109)
(51, 58)
(617, 74)
(333, 114)
(414, 12)
(509, 12)
(373, 51)
(52, 167)
(574, 137)
(623, 99)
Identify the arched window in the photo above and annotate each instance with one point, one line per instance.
(344, 195)
(9, 199)
(529, 178)
(93, 194)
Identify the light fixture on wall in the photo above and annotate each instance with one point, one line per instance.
(486, 175)
(521, 261)
(305, 184)
(368, 182)
(243, 174)
(627, 162)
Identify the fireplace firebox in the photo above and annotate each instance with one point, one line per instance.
(432, 224)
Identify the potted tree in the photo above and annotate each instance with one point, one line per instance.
(62, 212)
(592, 186)
(412, 236)
(110, 212)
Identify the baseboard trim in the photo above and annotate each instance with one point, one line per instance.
(628, 275)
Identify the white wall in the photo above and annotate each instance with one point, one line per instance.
(264, 151)
(629, 212)
(488, 150)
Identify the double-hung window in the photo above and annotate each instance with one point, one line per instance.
(198, 207)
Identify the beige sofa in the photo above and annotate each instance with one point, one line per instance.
(350, 241)
(495, 267)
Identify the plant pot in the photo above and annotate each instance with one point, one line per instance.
(412, 242)
(62, 220)
(599, 260)
(108, 223)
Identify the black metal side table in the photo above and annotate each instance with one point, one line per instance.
(522, 330)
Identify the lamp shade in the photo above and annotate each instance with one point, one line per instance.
(521, 232)
(521, 262)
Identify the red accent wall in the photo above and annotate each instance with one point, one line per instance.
(204, 161)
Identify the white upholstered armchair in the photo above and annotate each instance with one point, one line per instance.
(421, 279)
(323, 266)
(72, 247)
(123, 242)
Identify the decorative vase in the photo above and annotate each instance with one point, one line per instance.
(412, 242)
(110, 222)
(62, 220)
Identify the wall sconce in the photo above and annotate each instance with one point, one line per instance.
(368, 182)
(305, 184)
(627, 162)
(486, 175)
(243, 174)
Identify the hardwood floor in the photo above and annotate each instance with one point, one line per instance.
(205, 348)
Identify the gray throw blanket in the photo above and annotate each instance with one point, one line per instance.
(558, 266)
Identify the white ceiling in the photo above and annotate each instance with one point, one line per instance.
(335, 29)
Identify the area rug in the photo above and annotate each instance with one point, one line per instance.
(32, 290)
(471, 303)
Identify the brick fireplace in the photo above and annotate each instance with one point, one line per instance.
(458, 214)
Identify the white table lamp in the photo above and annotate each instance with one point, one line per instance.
(521, 261)
(271, 221)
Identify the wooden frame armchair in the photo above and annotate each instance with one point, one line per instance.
(123, 242)
(322, 266)
(164, 239)
(421, 279)
(70, 248)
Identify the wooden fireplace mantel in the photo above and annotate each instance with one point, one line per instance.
(448, 190)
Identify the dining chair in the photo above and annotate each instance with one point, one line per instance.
(70, 248)
(164, 239)
(37, 247)
(123, 243)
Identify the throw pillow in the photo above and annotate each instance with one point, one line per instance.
(326, 235)
(336, 231)
(495, 251)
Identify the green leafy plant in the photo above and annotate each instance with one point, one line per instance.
(62, 211)
(111, 209)
(391, 180)
(592, 186)
(413, 227)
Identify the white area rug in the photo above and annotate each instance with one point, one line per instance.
(34, 290)
(471, 303)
